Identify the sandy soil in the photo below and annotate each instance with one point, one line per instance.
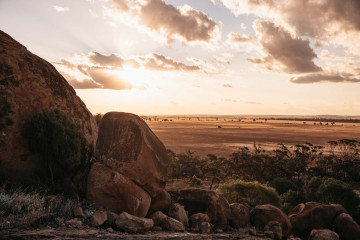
(205, 137)
(92, 234)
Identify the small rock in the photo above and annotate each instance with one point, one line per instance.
(166, 222)
(197, 219)
(275, 228)
(156, 229)
(218, 230)
(75, 222)
(98, 218)
(323, 234)
(111, 218)
(110, 230)
(178, 212)
(132, 224)
(269, 234)
(78, 212)
(205, 227)
(252, 232)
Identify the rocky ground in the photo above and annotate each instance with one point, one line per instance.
(93, 233)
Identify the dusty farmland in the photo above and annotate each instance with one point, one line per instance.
(203, 136)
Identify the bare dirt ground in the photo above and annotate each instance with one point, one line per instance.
(92, 234)
(205, 137)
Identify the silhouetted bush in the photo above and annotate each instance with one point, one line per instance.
(283, 185)
(250, 194)
(58, 144)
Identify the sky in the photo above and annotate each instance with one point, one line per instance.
(285, 57)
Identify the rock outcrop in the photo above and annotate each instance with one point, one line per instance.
(199, 200)
(30, 85)
(261, 215)
(311, 215)
(132, 173)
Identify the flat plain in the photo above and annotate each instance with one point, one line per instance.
(205, 136)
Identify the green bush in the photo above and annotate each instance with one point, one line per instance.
(292, 198)
(250, 194)
(58, 144)
(330, 190)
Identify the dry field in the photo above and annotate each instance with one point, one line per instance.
(203, 136)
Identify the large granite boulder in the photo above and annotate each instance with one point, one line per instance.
(239, 215)
(117, 193)
(137, 160)
(30, 85)
(346, 227)
(203, 201)
(261, 215)
(311, 215)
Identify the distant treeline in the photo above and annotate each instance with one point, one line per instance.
(343, 120)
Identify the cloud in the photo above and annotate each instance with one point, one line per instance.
(326, 21)
(109, 79)
(227, 85)
(61, 9)
(284, 52)
(97, 70)
(112, 60)
(230, 100)
(161, 63)
(239, 38)
(171, 22)
(325, 77)
(253, 103)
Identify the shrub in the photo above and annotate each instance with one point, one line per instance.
(250, 194)
(330, 190)
(283, 185)
(57, 142)
(290, 199)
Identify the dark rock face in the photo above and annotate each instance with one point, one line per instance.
(29, 85)
(209, 202)
(131, 150)
(261, 215)
(306, 217)
(346, 227)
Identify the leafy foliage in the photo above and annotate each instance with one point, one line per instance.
(58, 144)
(250, 194)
